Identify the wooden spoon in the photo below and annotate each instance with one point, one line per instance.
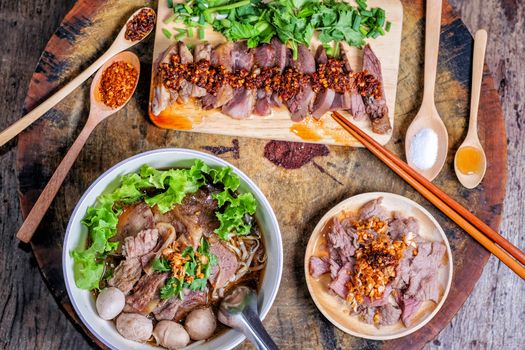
(98, 112)
(471, 147)
(428, 116)
(120, 44)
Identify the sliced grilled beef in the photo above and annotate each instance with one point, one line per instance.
(320, 55)
(305, 61)
(241, 105)
(202, 51)
(341, 102)
(264, 55)
(323, 102)
(162, 96)
(145, 296)
(141, 244)
(227, 265)
(125, 275)
(376, 109)
(242, 56)
(299, 105)
(263, 103)
(280, 53)
(319, 266)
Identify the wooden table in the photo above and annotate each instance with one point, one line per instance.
(30, 319)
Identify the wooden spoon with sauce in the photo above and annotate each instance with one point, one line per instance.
(120, 44)
(98, 112)
(470, 162)
(428, 116)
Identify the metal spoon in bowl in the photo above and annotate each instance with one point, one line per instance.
(98, 112)
(427, 123)
(470, 162)
(120, 44)
(239, 311)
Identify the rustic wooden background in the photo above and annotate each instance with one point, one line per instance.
(29, 317)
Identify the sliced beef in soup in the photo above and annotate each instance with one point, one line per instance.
(227, 265)
(145, 296)
(133, 219)
(125, 275)
(176, 309)
(141, 244)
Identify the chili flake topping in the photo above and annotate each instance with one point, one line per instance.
(140, 25)
(117, 84)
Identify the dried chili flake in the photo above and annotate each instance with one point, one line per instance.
(140, 25)
(117, 83)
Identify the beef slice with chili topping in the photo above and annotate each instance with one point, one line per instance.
(176, 309)
(162, 96)
(357, 106)
(324, 99)
(376, 108)
(141, 244)
(186, 87)
(201, 52)
(220, 56)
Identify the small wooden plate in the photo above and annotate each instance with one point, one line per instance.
(336, 310)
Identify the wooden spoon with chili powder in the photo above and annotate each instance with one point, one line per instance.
(111, 88)
(137, 27)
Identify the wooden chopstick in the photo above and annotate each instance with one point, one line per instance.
(481, 232)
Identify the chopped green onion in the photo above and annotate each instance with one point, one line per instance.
(357, 22)
(362, 4)
(180, 36)
(170, 4)
(380, 31)
(181, 31)
(166, 33)
(190, 32)
(388, 26)
(201, 33)
(188, 9)
(366, 13)
(170, 19)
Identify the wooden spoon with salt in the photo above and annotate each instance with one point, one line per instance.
(427, 124)
(120, 44)
(98, 112)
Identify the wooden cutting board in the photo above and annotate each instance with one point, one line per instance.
(279, 126)
(299, 196)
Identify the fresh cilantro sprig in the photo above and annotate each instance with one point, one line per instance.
(196, 272)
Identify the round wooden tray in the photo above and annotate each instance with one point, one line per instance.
(299, 197)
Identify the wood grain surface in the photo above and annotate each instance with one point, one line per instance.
(30, 319)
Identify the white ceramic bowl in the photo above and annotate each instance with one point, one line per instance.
(76, 234)
(337, 311)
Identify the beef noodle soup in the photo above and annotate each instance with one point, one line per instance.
(165, 247)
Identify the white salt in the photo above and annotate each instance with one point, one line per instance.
(424, 149)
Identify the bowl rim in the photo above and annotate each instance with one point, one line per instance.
(237, 338)
(339, 207)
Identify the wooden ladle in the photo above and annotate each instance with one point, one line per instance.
(120, 44)
(98, 112)
(428, 116)
(471, 147)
